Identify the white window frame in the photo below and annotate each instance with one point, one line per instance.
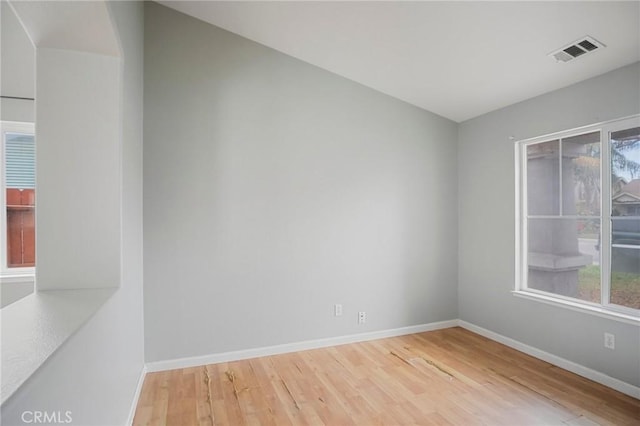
(10, 274)
(604, 308)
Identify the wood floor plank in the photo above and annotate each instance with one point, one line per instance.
(444, 377)
(204, 407)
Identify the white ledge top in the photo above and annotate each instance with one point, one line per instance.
(34, 327)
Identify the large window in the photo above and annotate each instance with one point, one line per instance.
(579, 217)
(18, 199)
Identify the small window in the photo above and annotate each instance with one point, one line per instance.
(18, 198)
(579, 223)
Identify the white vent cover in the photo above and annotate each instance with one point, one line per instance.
(577, 48)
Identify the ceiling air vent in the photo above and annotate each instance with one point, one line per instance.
(577, 48)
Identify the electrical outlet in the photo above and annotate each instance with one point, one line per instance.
(362, 317)
(609, 341)
(337, 310)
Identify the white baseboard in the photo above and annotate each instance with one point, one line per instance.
(578, 369)
(136, 395)
(294, 347)
(573, 367)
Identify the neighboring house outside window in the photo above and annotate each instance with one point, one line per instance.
(626, 199)
(579, 218)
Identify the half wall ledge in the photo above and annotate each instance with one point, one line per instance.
(34, 327)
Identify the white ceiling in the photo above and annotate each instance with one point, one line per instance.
(83, 26)
(456, 59)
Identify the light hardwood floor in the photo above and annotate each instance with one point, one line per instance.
(445, 377)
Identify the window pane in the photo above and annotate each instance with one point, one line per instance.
(625, 277)
(543, 183)
(625, 220)
(625, 172)
(20, 199)
(564, 257)
(581, 175)
(21, 161)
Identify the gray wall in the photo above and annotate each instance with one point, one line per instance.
(95, 373)
(487, 225)
(17, 68)
(78, 160)
(15, 290)
(17, 73)
(274, 189)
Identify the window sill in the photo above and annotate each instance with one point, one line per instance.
(592, 310)
(34, 327)
(21, 277)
